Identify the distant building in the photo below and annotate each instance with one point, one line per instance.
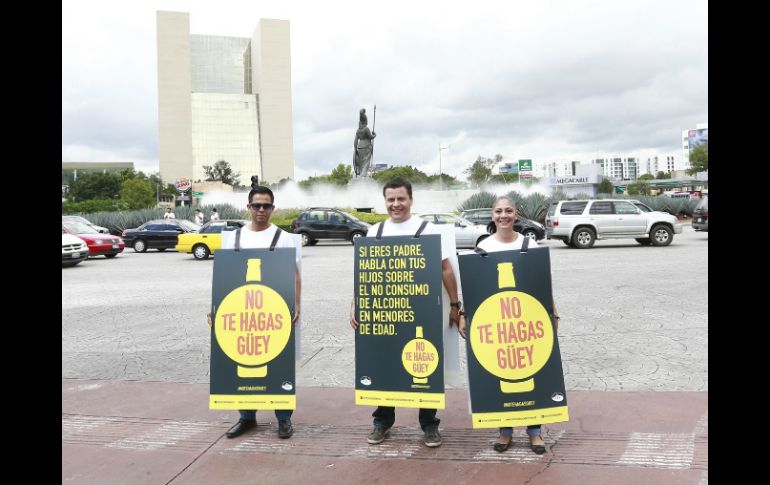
(509, 168)
(72, 170)
(691, 139)
(224, 98)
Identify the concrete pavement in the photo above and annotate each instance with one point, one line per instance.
(159, 432)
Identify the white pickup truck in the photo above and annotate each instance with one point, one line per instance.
(579, 223)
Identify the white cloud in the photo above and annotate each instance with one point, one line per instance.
(552, 80)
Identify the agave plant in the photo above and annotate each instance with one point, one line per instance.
(481, 200)
(537, 205)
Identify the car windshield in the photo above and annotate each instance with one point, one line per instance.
(642, 207)
(188, 226)
(352, 217)
(76, 227)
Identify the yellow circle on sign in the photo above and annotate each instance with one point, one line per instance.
(419, 357)
(252, 324)
(511, 335)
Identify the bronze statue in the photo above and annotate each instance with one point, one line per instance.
(363, 145)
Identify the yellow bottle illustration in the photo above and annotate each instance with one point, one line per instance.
(511, 334)
(253, 324)
(419, 357)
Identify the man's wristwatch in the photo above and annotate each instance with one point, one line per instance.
(456, 304)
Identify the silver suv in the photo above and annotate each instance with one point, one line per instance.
(579, 223)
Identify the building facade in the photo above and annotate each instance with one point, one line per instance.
(70, 171)
(691, 139)
(224, 98)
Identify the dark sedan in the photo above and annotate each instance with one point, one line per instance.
(160, 234)
(527, 227)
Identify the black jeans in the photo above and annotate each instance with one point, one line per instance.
(385, 416)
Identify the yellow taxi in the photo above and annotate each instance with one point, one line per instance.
(208, 239)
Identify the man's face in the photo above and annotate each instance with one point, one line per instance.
(399, 204)
(261, 215)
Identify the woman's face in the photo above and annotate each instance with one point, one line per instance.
(503, 214)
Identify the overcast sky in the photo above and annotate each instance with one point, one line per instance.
(548, 80)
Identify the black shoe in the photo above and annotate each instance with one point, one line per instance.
(501, 447)
(377, 435)
(285, 429)
(241, 427)
(539, 449)
(432, 436)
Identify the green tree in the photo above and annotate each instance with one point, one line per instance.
(699, 159)
(504, 178)
(311, 181)
(481, 170)
(646, 176)
(137, 194)
(605, 186)
(640, 187)
(407, 172)
(95, 185)
(446, 179)
(279, 184)
(341, 174)
(221, 172)
(663, 175)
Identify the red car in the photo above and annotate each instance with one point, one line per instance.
(98, 244)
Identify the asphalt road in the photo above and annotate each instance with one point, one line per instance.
(634, 318)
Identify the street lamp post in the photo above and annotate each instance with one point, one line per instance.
(440, 176)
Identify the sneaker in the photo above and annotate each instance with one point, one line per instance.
(377, 435)
(432, 437)
(285, 429)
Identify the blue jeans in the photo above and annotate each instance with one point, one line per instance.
(532, 430)
(385, 416)
(251, 415)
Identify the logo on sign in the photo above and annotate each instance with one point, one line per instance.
(183, 184)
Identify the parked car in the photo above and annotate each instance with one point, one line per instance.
(99, 229)
(478, 216)
(73, 250)
(467, 234)
(700, 216)
(528, 227)
(208, 239)
(160, 234)
(327, 223)
(579, 223)
(98, 244)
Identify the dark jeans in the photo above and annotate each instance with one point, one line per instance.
(532, 430)
(385, 416)
(279, 414)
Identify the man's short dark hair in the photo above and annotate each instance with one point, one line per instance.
(261, 189)
(397, 182)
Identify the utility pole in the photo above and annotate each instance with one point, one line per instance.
(440, 176)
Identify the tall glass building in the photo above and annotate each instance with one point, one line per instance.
(224, 98)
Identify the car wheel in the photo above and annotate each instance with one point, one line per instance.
(584, 238)
(201, 251)
(530, 234)
(306, 240)
(69, 264)
(355, 236)
(140, 246)
(661, 235)
(110, 256)
(644, 241)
